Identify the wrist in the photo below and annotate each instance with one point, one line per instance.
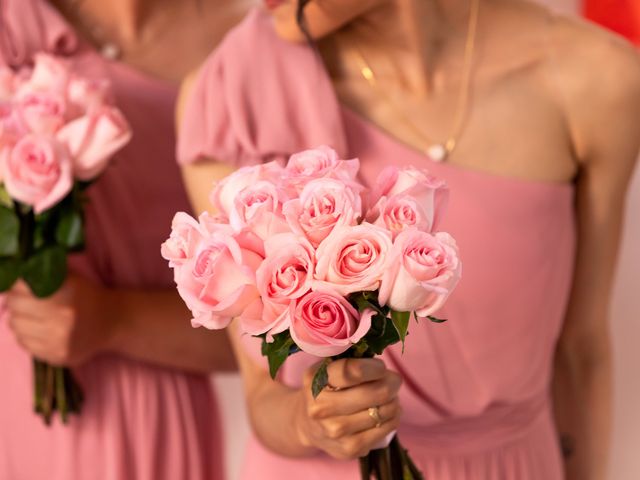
(300, 425)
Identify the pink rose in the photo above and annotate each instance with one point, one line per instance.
(422, 271)
(186, 235)
(323, 204)
(7, 83)
(218, 283)
(11, 126)
(49, 74)
(285, 275)
(431, 193)
(320, 162)
(93, 139)
(353, 259)
(87, 95)
(258, 207)
(224, 192)
(41, 111)
(36, 171)
(326, 324)
(400, 212)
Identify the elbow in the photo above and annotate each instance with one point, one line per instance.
(584, 351)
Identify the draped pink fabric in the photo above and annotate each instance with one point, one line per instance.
(139, 421)
(476, 389)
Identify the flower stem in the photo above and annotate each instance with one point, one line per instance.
(49, 394)
(365, 467)
(384, 464)
(61, 394)
(38, 385)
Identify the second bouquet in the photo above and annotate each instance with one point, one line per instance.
(308, 259)
(58, 132)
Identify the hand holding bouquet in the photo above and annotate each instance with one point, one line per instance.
(58, 132)
(309, 260)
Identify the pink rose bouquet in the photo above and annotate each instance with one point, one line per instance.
(301, 261)
(58, 132)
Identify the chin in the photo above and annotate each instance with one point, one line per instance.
(323, 17)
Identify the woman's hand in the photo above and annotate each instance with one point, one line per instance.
(67, 328)
(339, 421)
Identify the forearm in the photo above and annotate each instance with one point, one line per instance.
(582, 397)
(153, 326)
(273, 411)
(273, 407)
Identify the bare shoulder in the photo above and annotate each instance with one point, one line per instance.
(597, 77)
(596, 56)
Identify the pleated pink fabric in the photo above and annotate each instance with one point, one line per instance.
(476, 389)
(140, 422)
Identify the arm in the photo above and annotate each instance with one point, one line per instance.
(154, 327)
(290, 422)
(83, 319)
(604, 134)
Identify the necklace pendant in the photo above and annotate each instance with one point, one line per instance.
(437, 152)
(110, 51)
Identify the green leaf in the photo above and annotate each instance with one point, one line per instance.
(400, 321)
(278, 351)
(69, 231)
(5, 199)
(9, 232)
(45, 270)
(9, 273)
(360, 349)
(360, 301)
(381, 335)
(38, 236)
(367, 300)
(436, 320)
(320, 379)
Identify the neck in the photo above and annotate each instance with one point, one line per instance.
(127, 17)
(428, 34)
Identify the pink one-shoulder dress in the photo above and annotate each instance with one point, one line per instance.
(139, 422)
(476, 393)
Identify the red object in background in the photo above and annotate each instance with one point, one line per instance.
(622, 16)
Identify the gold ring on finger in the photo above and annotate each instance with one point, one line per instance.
(374, 413)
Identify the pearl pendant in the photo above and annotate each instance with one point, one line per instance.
(110, 51)
(437, 152)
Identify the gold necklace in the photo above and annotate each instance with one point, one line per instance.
(90, 29)
(438, 151)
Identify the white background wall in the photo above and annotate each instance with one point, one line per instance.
(625, 315)
(235, 423)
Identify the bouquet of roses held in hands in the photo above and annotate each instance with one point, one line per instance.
(58, 132)
(308, 259)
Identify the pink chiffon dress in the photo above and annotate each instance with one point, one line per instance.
(139, 422)
(476, 393)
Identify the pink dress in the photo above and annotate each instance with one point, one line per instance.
(476, 389)
(139, 421)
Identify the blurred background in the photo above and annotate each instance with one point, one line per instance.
(622, 16)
